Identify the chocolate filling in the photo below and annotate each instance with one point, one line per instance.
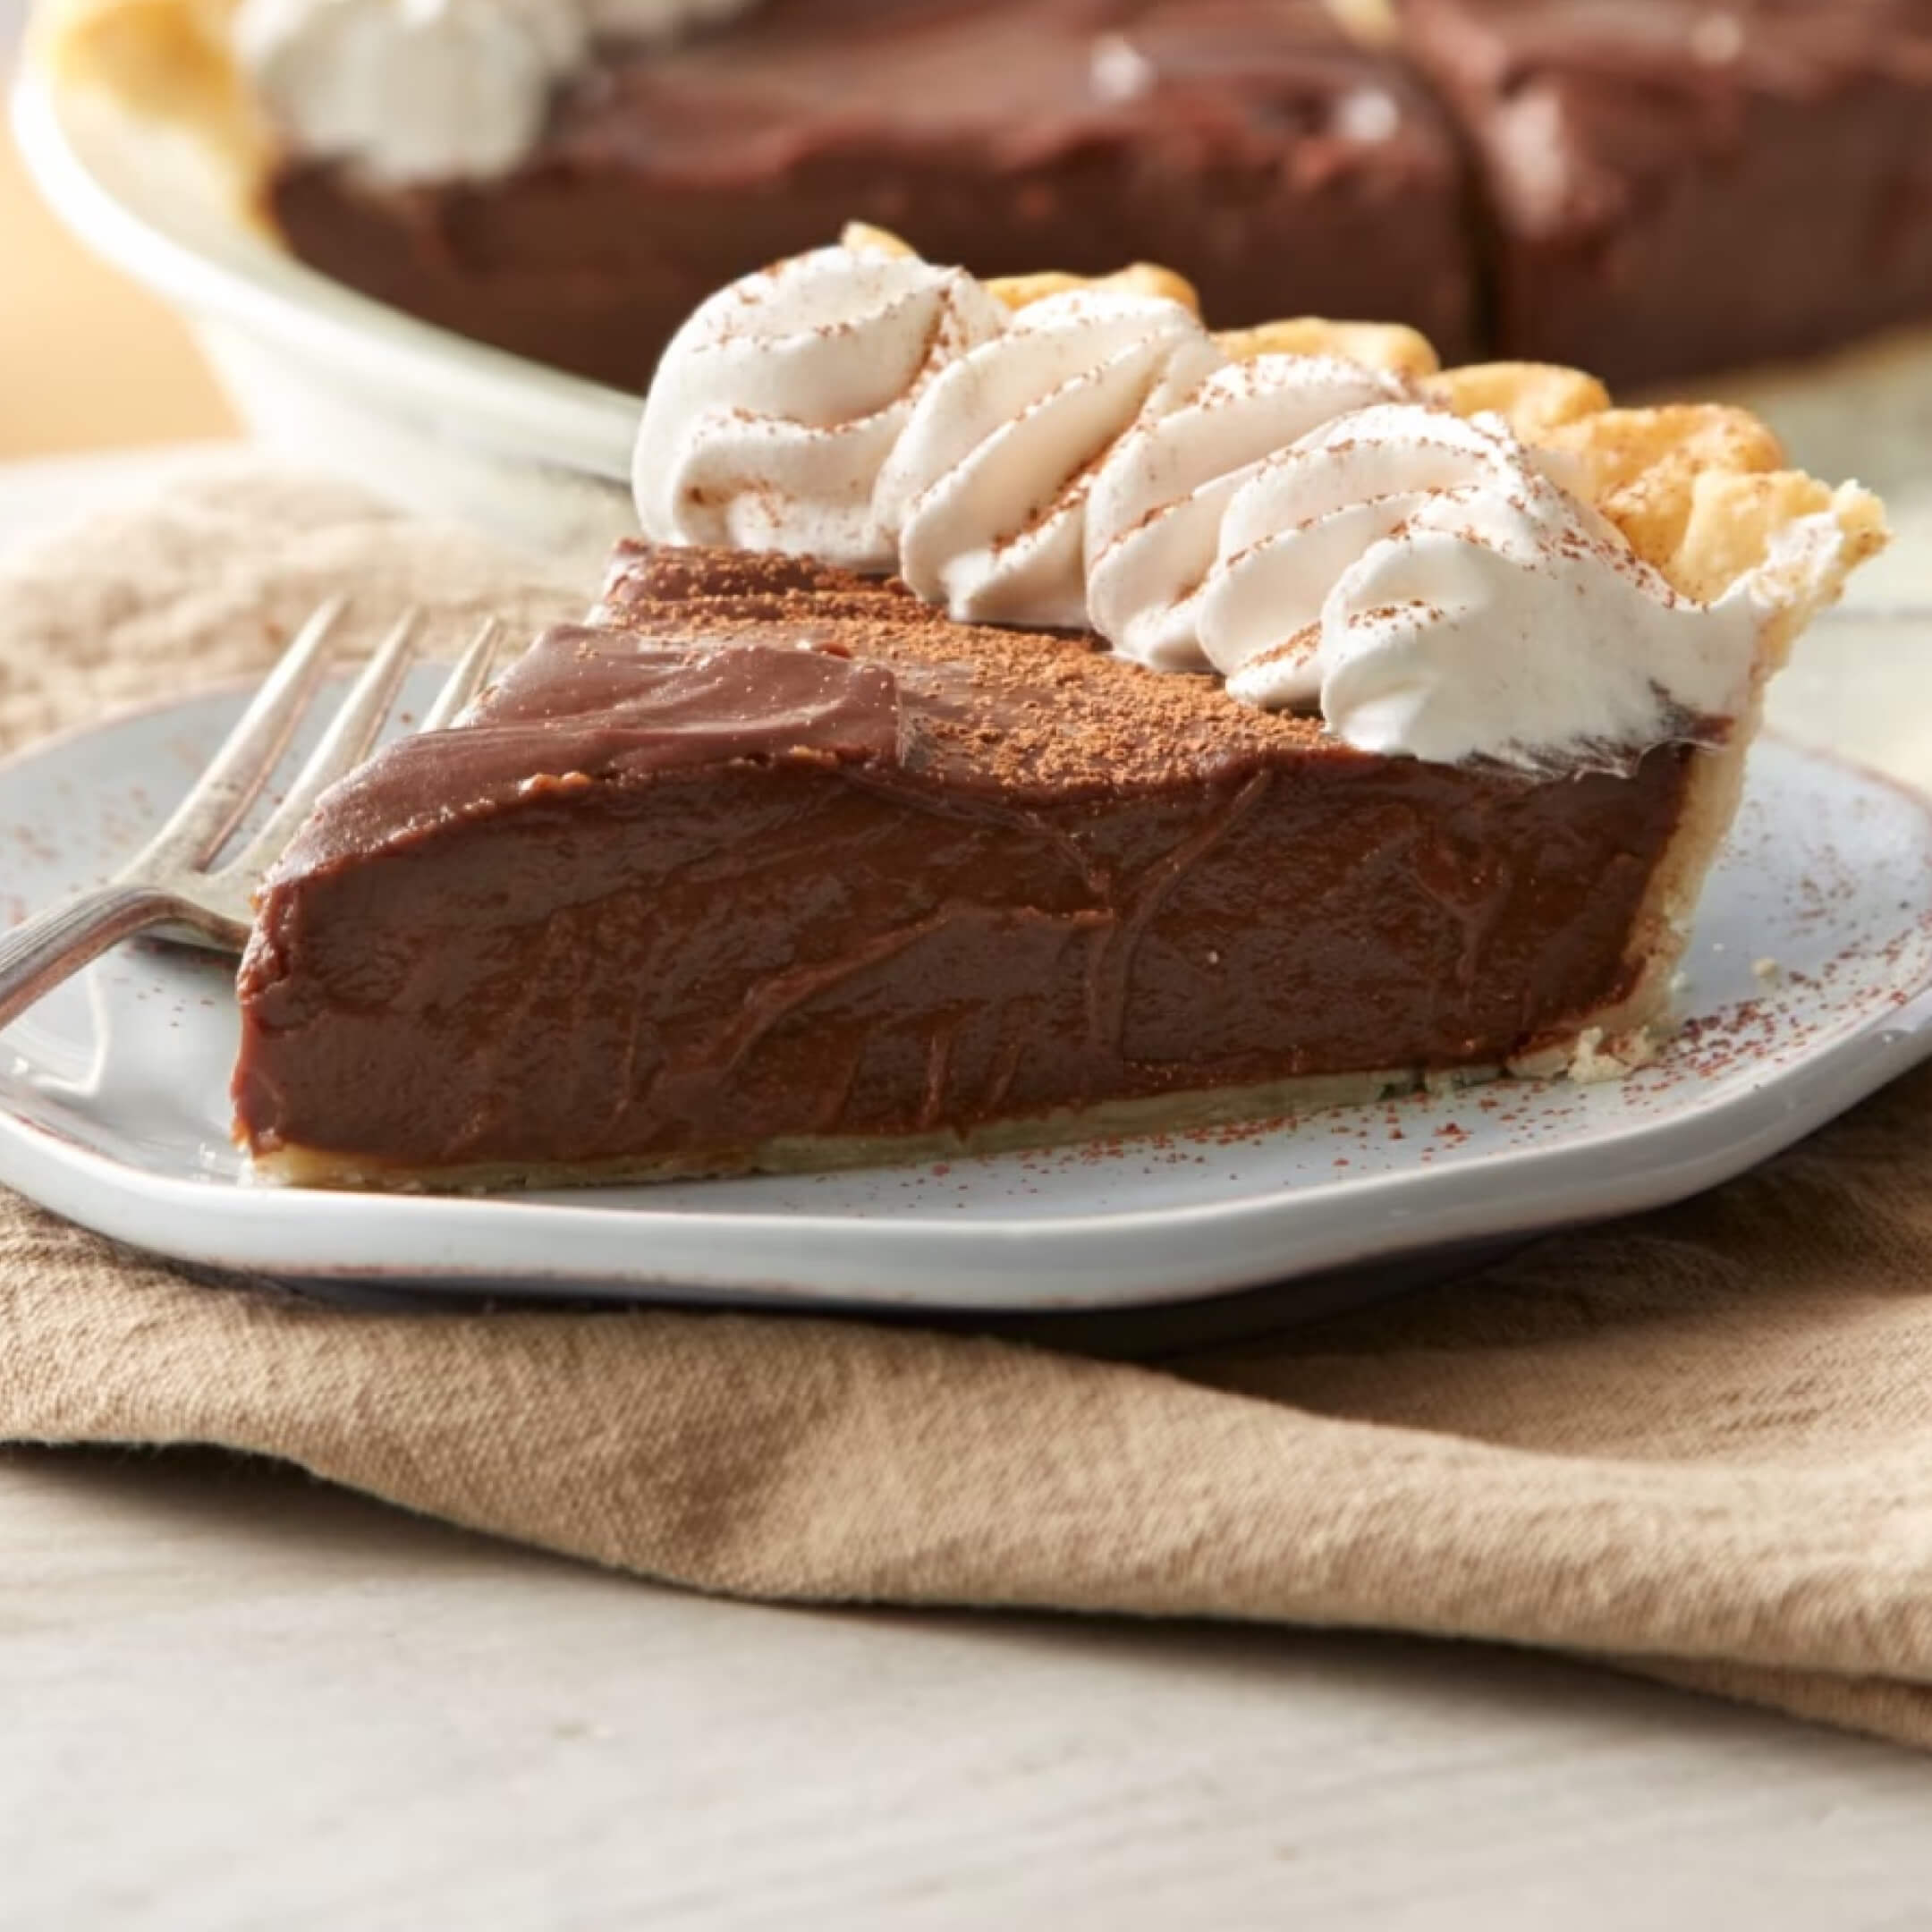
(1674, 187)
(772, 851)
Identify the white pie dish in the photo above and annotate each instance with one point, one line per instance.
(332, 379)
(114, 1108)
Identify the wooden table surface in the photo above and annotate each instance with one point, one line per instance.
(233, 1698)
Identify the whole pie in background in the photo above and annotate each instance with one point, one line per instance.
(1649, 189)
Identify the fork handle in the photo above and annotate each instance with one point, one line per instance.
(36, 957)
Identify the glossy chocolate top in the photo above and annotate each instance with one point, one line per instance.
(1018, 82)
(1249, 144)
(1690, 47)
(1585, 106)
(816, 665)
(1021, 712)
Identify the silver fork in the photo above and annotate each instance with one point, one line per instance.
(175, 881)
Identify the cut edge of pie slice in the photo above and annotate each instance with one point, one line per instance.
(1699, 493)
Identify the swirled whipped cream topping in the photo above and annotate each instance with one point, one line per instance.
(1441, 597)
(1154, 513)
(432, 89)
(779, 401)
(1298, 523)
(987, 489)
(1301, 518)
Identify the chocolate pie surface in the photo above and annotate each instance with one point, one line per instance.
(1671, 187)
(773, 867)
(1225, 151)
(1649, 188)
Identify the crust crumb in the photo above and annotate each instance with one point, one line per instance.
(1381, 345)
(1138, 278)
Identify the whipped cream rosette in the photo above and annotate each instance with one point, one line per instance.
(1421, 578)
(1154, 511)
(427, 91)
(987, 489)
(779, 401)
(414, 89)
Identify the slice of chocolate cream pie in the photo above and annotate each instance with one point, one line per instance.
(1031, 716)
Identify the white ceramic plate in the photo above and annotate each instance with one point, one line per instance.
(113, 1103)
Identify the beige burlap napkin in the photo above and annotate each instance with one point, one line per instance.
(1699, 1444)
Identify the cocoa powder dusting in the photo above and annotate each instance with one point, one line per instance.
(1009, 709)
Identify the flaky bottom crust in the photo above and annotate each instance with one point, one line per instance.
(1595, 1053)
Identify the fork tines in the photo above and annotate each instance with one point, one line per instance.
(184, 853)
